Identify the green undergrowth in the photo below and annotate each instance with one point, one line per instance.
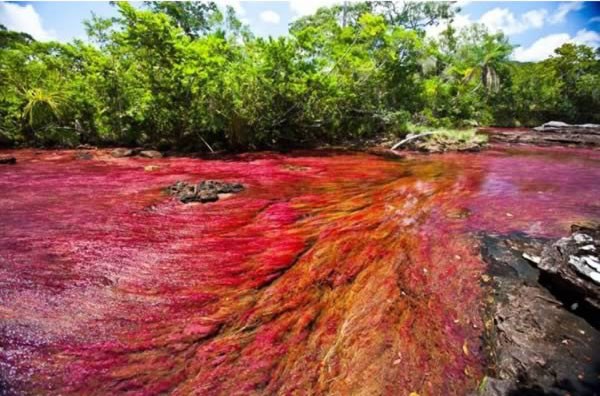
(445, 139)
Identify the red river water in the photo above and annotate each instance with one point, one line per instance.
(329, 274)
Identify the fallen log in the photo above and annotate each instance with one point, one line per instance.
(411, 137)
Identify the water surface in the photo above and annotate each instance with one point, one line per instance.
(330, 274)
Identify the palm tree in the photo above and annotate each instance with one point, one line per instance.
(484, 60)
(42, 105)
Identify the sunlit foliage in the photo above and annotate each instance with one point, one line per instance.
(189, 76)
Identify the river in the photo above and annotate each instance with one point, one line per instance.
(331, 273)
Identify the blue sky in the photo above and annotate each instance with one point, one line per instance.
(536, 27)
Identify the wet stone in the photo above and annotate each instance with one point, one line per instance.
(573, 262)
(539, 340)
(205, 191)
(86, 156)
(8, 160)
(153, 154)
(122, 152)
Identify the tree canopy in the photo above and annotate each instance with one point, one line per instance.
(188, 75)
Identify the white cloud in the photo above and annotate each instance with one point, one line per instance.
(235, 4)
(24, 19)
(563, 10)
(308, 7)
(541, 49)
(270, 16)
(595, 19)
(460, 21)
(462, 3)
(535, 18)
(587, 37)
(544, 47)
(502, 19)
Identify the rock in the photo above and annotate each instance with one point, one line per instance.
(122, 152)
(84, 156)
(205, 191)
(494, 387)
(533, 259)
(573, 263)
(549, 134)
(150, 154)
(533, 342)
(8, 160)
(86, 147)
(552, 125)
(562, 127)
(151, 168)
(219, 187)
(207, 196)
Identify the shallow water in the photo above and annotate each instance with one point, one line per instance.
(330, 274)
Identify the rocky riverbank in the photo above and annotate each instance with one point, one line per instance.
(541, 320)
(552, 133)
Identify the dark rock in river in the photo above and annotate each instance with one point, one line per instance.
(551, 125)
(205, 191)
(84, 155)
(219, 187)
(150, 154)
(573, 263)
(550, 134)
(536, 342)
(122, 152)
(564, 127)
(8, 160)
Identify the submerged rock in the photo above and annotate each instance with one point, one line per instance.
(151, 168)
(205, 191)
(84, 155)
(8, 160)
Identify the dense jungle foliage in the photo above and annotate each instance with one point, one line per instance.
(189, 76)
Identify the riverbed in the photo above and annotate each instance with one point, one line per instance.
(331, 273)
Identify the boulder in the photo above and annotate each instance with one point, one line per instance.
(121, 152)
(573, 263)
(205, 191)
(535, 341)
(150, 154)
(563, 127)
(219, 187)
(8, 160)
(552, 125)
(553, 133)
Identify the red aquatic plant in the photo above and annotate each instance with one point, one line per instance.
(328, 274)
